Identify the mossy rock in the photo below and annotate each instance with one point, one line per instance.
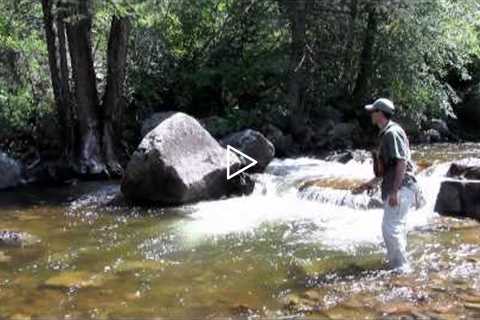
(77, 279)
(139, 265)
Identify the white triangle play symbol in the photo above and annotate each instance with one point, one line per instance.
(241, 154)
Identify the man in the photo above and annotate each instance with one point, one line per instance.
(395, 168)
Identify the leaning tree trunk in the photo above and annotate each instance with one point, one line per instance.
(296, 83)
(57, 57)
(112, 102)
(86, 97)
(366, 58)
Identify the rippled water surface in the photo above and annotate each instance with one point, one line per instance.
(274, 254)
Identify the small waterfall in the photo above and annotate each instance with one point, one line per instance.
(277, 200)
(285, 195)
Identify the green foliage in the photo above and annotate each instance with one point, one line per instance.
(24, 77)
(419, 45)
(231, 58)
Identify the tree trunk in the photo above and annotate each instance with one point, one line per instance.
(86, 97)
(366, 59)
(112, 102)
(57, 57)
(296, 82)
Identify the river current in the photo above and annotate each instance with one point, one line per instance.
(283, 252)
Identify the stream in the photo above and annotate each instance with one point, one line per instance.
(279, 253)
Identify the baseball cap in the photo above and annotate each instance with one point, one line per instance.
(381, 104)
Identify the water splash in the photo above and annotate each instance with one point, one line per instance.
(276, 201)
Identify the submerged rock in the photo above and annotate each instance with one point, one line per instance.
(180, 162)
(255, 145)
(77, 279)
(4, 257)
(10, 172)
(460, 197)
(339, 192)
(17, 239)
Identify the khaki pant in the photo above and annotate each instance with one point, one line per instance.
(394, 229)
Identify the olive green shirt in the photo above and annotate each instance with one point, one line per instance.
(394, 146)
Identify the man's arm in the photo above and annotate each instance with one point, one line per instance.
(400, 168)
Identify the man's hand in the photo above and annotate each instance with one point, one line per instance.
(363, 187)
(393, 199)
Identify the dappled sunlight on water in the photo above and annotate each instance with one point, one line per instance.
(272, 254)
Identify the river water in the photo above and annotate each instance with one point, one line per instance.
(279, 253)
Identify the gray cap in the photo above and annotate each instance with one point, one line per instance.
(381, 104)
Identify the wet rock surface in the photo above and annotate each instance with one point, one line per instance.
(460, 195)
(253, 144)
(339, 192)
(17, 239)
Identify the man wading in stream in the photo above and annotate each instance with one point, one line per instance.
(392, 164)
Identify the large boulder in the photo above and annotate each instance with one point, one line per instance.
(180, 162)
(253, 144)
(10, 172)
(459, 196)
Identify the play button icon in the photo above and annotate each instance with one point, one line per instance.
(251, 162)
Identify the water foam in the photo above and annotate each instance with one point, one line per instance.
(275, 200)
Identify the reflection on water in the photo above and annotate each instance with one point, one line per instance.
(272, 254)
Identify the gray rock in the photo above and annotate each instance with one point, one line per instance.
(180, 162)
(466, 168)
(17, 239)
(459, 198)
(154, 120)
(433, 135)
(441, 126)
(282, 143)
(253, 144)
(10, 172)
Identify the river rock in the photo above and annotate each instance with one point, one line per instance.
(433, 136)
(4, 257)
(255, 145)
(282, 143)
(339, 192)
(467, 168)
(442, 128)
(77, 279)
(17, 239)
(10, 172)
(180, 162)
(460, 196)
